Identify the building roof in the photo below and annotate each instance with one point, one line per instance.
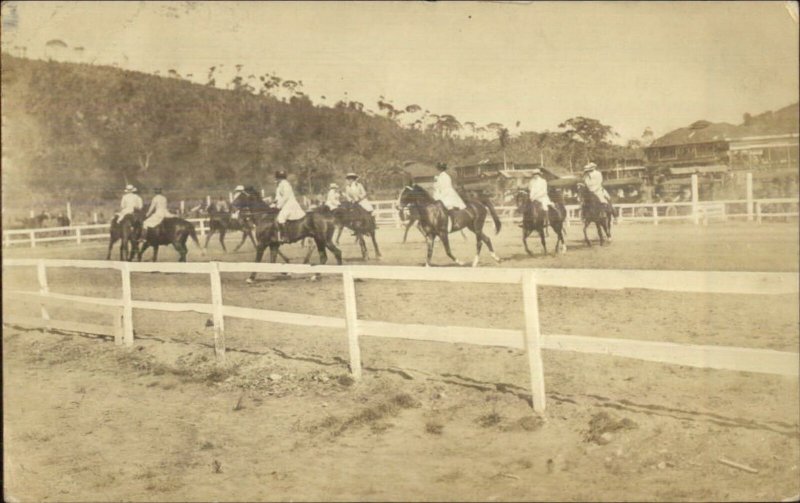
(698, 132)
(690, 170)
(420, 169)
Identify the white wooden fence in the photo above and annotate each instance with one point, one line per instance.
(530, 339)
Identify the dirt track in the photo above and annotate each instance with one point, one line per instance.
(429, 421)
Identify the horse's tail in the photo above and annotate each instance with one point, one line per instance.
(486, 202)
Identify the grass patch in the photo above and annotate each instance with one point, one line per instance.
(602, 423)
(434, 427)
(490, 419)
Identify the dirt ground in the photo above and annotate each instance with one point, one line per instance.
(87, 421)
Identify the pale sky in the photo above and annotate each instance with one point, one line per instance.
(630, 65)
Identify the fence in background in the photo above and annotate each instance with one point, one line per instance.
(529, 339)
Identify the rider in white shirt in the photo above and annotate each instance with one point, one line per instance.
(130, 202)
(157, 211)
(333, 199)
(287, 204)
(537, 191)
(444, 191)
(356, 193)
(593, 180)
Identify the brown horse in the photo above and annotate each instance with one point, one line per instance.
(171, 230)
(357, 219)
(220, 222)
(318, 225)
(593, 210)
(433, 220)
(533, 219)
(125, 231)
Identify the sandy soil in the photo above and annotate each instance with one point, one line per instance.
(86, 421)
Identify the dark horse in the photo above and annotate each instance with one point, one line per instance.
(357, 219)
(411, 217)
(171, 230)
(220, 222)
(533, 219)
(318, 225)
(593, 210)
(125, 231)
(433, 220)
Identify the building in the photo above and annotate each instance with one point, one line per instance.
(420, 173)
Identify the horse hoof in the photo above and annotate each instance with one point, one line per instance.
(250, 281)
(497, 259)
(459, 262)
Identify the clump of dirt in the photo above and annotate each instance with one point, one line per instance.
(602, 425)
(526, 423)
(374, 416)
(490, 419)
(434, 427)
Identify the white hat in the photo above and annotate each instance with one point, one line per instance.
(536, 171)
(589, 166)
(351, 175)
(130, 188)
(334, 186)
(239, 188)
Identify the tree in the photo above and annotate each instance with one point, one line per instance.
(588, 137)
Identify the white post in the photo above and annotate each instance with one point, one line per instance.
(118, 323)
(32, 214)
(127, 306)
(219, 319)
(230, 197)
(351, 319)
(41, 272)
(758, 212)
(263, 194)
(655, 215)
(532, 340)
(33, 239)
(69, 212)
(78, 234)
(749, 188)
(208, 201)
(183, 207)
(695, 199)
(94, 216)
(202, 229)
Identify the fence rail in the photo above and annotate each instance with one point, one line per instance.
(529, 339)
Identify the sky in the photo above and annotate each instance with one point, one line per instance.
(632, 65)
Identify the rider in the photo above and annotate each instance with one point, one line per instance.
(356, 193)
(287, 204)
(333, 199)
(537, 190)
(157, 211)
(130, 202)
(239, 200)
(443, 191)
(593, 180)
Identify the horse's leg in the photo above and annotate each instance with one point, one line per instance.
(585, 235)
(284, 257)
(307, 259)
(446, 242)
(208, 237)
(259, 255)
(430, 239)
(339, 233)
(111, 242)
(155, 252)
(222, 232)
(525, 233)
(478, 246)
(363, 245)
(323, 257)
(253, 240)
(542, 231)
(408, 226)
(274, 250)
(600, 233)
(336, 251)
(375, 244)
(245, 233)
(181, 249)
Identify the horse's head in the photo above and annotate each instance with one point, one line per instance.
(521, 198)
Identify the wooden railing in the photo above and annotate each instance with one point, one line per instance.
(529, 339)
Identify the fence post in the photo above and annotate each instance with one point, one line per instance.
(78, 234)
(532, 340)
(41, 272)
(183, 207)
(127, 306)
(33, 239)
(208, 201)
(749, 188)
(94, 216)
(695, 200)
(219, 318)
(202, 229)
(230, 197)
(655, 215)
(263, 193)
(69, 212)
(351, 319)
(118, 323)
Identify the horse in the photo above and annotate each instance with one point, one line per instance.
(593, 210)
(318, 225)
(533, 220)
(171, 230)
(357, 219)
(433, 220)
(126, 231)
(221, 222)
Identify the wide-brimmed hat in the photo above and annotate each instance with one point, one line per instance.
(589, 166)
(280, 174)
(536, 171)
(239, 188)
(334, 186)
(441, 165)
(130, 188)
(351, 175)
